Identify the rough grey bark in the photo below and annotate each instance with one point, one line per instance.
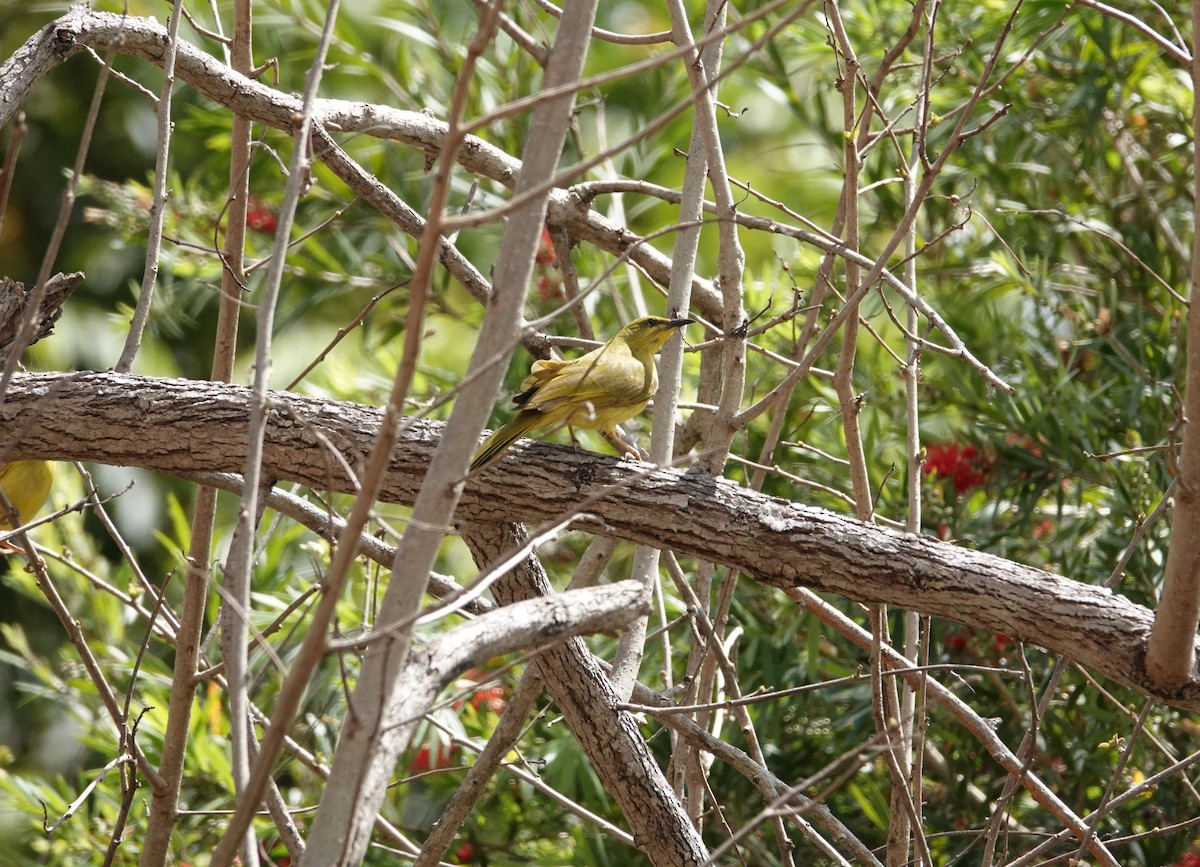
(174, 426)
(585, 695)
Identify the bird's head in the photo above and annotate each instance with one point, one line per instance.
(649, 333)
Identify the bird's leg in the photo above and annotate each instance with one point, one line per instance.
(624, 448)
(574, 441)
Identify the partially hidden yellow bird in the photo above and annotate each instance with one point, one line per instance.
(26, 485)
(596, 391)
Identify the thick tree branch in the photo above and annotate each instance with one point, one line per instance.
(175, 426)
(585, 695)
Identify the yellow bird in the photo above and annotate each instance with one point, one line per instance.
(597, 391)
(26, 485)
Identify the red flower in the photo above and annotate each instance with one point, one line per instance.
(490, 697)
(549, 287)
(963, 465)
(421, 762)
(260, 218)
(545, 251)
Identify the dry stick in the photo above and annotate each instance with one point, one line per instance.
(909, 752)
(885, 699)
(961, 711)
(631, 645)
(1118, 769)
(561, 242)
(850, 403)
(616, 209)
(1141, 790)
(912, 700)
(506, 735)
(165, 802)
(780, 411)
(523, 40)
(342, 334)
(745, 723)
(957, 137)
(1179, 53)
(758, 775)
(90, 664)
(367, 745)
(158, 204)
(705, 160)
(95, 503)
(1169, 657)
(236, 583)
(730, 372)
(10, 164)
(49, 828)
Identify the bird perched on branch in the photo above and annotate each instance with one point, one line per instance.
(597, 391)
(26, 485)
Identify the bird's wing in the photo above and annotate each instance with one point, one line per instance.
(615, 379)
(543, 371)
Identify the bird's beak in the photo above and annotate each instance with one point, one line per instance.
(679, 323)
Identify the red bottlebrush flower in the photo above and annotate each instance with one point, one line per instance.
(1191, 859)
(1043, 529)
(957, 641)
(964, 465)
(491, 698)
(549, 288)
(940, 458)
(260, 218)
(422, 761)
(545, 251)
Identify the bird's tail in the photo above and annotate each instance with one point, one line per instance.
(504, 437)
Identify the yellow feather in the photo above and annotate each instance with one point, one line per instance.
(597, 391)
(26, 485)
